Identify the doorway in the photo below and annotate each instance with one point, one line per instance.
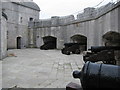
(18, 42)
(49, 43)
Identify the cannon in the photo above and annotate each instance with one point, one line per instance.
(71, 47)
(95, 75)
(48, 45)
(106, 56)
(95, 49)
(101, 53)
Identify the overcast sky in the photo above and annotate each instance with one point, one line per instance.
(65, 7)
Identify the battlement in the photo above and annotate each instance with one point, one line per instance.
(92, 23)
(89, 13)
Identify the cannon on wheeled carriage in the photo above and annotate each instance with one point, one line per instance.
(71, 48)
(102, 53)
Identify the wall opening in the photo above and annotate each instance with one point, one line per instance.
(111, 38)
(50, 42)
(18, 42)
(82, 40)
(21, 19)
(31, 19)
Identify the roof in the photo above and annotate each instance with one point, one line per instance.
(31, 5)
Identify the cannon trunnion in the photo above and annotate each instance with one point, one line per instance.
(95, 75)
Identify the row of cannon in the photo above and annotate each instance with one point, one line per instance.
(106, 54)
(98, 75)
(93, 75)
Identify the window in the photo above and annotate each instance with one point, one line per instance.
(30, 19)
(21, 19)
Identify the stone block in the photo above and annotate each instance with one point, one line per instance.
(73, 86)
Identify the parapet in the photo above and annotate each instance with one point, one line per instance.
(92, 13)
(54, 21)
(89, 13)
(66, 19)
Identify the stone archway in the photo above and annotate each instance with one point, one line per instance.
(111, 38)
(82, 40)
(50, 42)
(19, 42)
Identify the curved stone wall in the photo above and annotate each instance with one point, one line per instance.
(3, 37)
(92, 23)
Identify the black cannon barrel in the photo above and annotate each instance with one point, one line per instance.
(100, 48)
(70, 44)
(95, 75)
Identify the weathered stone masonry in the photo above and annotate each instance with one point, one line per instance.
(3, 34)
(22, 27)
(19, 14)
(14, 24)
(93, 24)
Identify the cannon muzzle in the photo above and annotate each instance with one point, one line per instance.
(95, 75)
(76, 74)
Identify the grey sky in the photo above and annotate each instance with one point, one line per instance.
(65, 7)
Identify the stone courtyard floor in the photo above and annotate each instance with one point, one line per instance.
(35, 68)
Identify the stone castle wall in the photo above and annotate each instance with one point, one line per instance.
(92, 23)
(19, 15)
(14, 24)
(3, 34)
(3, 38)
(0, 28)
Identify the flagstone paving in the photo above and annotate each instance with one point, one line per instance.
(35, 68)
